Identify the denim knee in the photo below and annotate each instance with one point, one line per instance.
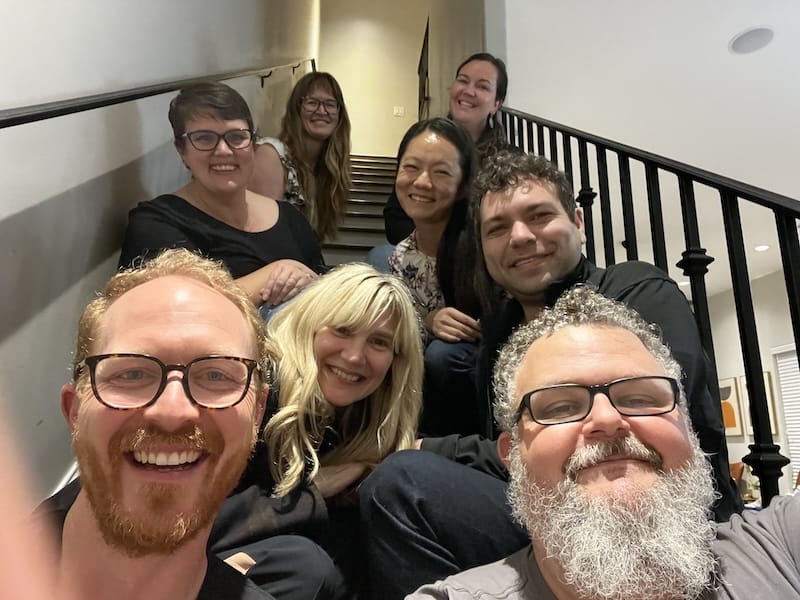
(443, 359)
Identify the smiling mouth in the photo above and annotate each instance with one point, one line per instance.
(421, 199)
(528, 260)
(170, 460)
(223, 168)
(345, 375)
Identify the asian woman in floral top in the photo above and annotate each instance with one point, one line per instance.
(435, 166)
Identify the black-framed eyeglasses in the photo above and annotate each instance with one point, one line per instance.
(312, 105)
(632, 396)
(126, 381)
(206, 141)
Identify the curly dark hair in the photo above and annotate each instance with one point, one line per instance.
(508, 169)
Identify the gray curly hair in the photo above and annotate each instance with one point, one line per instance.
(582, 305)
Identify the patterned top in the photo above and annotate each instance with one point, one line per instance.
(418, 271)
(293, 193)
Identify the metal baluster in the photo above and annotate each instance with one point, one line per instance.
(553, 146)
(630, 243)
(656, 217)
(695, 263)
(790, 259)
(605, 206)
(764, 456)
(585, 199)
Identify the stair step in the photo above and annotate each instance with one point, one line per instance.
(372, 180)
(369, 159)
(364, 209)
(361, 237)
(367, 201)
(338, 256)
(361, 219)
(388, 170)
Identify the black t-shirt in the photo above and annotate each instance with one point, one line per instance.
(222, 582)
(170, 222)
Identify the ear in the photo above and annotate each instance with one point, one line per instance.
(504, 447)
(261, 404)
(69, 405)
(579, 224)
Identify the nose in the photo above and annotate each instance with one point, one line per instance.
(222, 147)
(353, 351)
(423, 180)
(173, 409)
(604, 420)
(521, 233)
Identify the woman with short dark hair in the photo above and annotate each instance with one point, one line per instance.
(267, 246)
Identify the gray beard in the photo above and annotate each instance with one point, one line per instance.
(655, 546)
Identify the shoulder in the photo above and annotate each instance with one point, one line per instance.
(289, 213)
(620, 279)
(512, 578)
(763, 546)
(164, 205)
(271, 143)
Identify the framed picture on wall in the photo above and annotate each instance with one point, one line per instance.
(773, 420)
(731, 407)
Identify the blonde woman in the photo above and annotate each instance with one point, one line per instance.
(348, 356)
(345, 393)
(308, 164)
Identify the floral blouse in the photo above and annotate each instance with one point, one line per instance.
(418, 270)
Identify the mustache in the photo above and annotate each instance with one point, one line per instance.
(624, 447)
(150, 437)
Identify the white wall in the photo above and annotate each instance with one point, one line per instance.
(457, 31)
(70, 181)
(772, 320)
(659, 76)
(372, 49)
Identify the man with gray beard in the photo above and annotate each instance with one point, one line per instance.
(608, 478)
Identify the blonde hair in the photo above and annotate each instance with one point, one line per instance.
(354, 296)
(331, 172)
(175, 262)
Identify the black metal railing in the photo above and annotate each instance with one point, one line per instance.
(48, 110)
(423, 95)
(541, 136)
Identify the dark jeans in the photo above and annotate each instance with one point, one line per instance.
(449, 397)
(426, 517)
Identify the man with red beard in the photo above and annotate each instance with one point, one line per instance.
(608, 477)
(169, 388)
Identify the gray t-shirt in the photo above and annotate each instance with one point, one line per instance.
(758, 552)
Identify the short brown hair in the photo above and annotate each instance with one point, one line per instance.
(208, 99)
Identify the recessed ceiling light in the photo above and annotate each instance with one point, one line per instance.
(751, 40)
(761, 248)
(684, 283)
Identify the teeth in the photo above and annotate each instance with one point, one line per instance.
(344, 375)
(164, 459)
(223, 167)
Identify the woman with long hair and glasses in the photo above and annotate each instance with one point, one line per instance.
(346, 358)
(308, 164)
(476, 95)
(267, 246)
(435, 164)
